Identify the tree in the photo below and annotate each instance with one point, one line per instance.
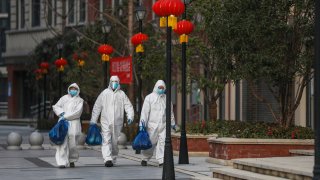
(217, 68)
(269, 41)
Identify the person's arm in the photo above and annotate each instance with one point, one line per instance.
(128, 107)
(76, 113)
(145, 112)
(97, 109)
(58, 107)
(173, 122)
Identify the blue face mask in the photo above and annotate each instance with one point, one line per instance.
(73, 92)
(161, 91)
(115, 85)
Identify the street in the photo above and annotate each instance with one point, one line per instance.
(40, 164)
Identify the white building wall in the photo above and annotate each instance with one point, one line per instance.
(301, 112)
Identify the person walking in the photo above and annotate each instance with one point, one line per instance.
(153, 117)
(111, 104)
(69, 107)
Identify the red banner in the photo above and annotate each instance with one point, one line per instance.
(122, 67)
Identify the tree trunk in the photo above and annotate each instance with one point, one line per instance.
(213, 108)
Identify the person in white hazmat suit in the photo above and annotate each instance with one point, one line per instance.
(153, 117)
(111, 103)
(69, 107)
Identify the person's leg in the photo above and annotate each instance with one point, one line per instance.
(73, 151)
(153, 135)
(106, 147)
(114, 142)
(160, 146)
(62, 154)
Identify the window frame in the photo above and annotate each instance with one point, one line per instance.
(77, 13)
(34, 23)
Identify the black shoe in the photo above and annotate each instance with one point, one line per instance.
(62, 167)
(160, 165)
(108, 164)
(143, 163)
(72, 165)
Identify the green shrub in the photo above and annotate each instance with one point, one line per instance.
(239, 129)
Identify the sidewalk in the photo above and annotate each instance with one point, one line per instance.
(40, 164)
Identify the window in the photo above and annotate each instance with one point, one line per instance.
(50, 12)
(17, 14)
(71, 12)
(22, 13)
(36, 4)
(76, 11)
(55, 12)
(82, 11)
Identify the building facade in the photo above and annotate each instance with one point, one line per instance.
(32, 21)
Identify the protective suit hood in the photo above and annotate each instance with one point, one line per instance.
(114, 78)
(76, 86)
(159, 83)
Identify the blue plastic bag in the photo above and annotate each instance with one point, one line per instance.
(94, 136)
(142, 140)
(59, 132)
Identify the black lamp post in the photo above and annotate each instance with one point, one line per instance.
(60, 47)
(168, 168)
(183, 153)
(140, 15)
(45, 54)
(316, 169)
(106, 28)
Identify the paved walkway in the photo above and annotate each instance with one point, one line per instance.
(40, 164)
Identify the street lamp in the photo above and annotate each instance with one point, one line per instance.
(44, 66)
(140, 15)
(38, 73)
(183, 29)
(316, 169)
(169, 11)
(106, 29)
(60, 46)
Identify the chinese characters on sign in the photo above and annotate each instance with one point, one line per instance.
(122, 67)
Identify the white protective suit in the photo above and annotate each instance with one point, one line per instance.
(154, 115)
(111, 104)
(72, 108)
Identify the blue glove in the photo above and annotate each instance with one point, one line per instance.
(61, 115)
(130, 121)
(141, 128)
(174, 127)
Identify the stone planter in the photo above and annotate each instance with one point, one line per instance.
(232, 148)
(197, 144)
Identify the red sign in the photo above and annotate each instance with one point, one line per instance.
(122, 67)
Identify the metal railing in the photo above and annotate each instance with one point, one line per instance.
(3, 109)
(35, 109)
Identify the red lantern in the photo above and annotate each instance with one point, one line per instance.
(38, 73)
(60, 63)
(105, 50)
(137, 40)
(170, 8)
(174, 7)
(79, 57)
(44, 67)
(184, 28)
(160, 10)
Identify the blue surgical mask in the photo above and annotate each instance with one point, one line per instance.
(73, 92)
(161, 91)
(115, 85)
